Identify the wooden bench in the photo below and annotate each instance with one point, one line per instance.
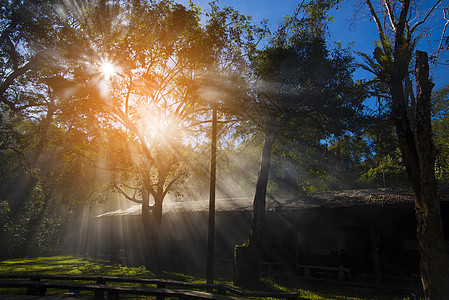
(36, 286)
(341, 271)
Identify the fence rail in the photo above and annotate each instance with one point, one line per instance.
(101, 285)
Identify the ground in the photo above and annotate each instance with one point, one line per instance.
(316, 289)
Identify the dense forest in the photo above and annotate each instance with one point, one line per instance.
(109, 102)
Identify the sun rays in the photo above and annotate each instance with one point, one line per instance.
(147, 96)
(107, 69)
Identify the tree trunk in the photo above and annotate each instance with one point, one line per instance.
(434, 260)
(146, 219)
(414, 136)
(148, 243)
(255, 242)
(157, 209)
(151, 222)
(415, 144)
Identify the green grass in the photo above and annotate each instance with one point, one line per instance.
(69, 265)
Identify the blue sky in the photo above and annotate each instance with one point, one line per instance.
(362, 33)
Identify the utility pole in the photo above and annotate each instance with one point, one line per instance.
(213, 172)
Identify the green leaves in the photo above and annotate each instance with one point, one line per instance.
(381, 64)
(390, 62)
(310, 86)
(440, 125)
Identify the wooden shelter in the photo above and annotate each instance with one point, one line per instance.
(372, 233)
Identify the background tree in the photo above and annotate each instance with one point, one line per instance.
(300, 84)
(382, 165)
(345, 160)
(32, 157)
(440, 125)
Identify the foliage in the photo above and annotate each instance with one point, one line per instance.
(154, 99)
(440, 125)
(299, 85)
(387, 174)
(381, 164)
(39, 182)
(307, 83)
(41, 196)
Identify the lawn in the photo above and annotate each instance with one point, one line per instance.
(69, 265)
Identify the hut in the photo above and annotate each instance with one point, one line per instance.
(370, 232)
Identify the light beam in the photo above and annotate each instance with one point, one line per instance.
(107, 69)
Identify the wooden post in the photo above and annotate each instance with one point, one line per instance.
(35, 290)
(161, 286)
(211, 229)
(99, 294)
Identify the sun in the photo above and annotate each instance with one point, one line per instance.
(107, 69)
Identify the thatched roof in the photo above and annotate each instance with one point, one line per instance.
(229, 204)
(334, 199)
(368, 197)
(377, 197)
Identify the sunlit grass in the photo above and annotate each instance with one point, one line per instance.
(69, 265)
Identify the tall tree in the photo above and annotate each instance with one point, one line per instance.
(300, 85)
(411, 116)
(139, 62)
(161, 63)
(34, 169)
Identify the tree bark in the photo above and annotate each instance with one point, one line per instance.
(157, 208)
(434, 260)
(146, 219)
(416, 148)
(151, 222)
(255, 242)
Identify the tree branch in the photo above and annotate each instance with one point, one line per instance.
(133, 198)
(12, 52)
(169, 185)
(94, 165)
(445, 15)
(10, 79)
(128, 92)
(8, 30)
(425, 18)
(402, 20)
(27, 163)
(390, 14)
(376, 20)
